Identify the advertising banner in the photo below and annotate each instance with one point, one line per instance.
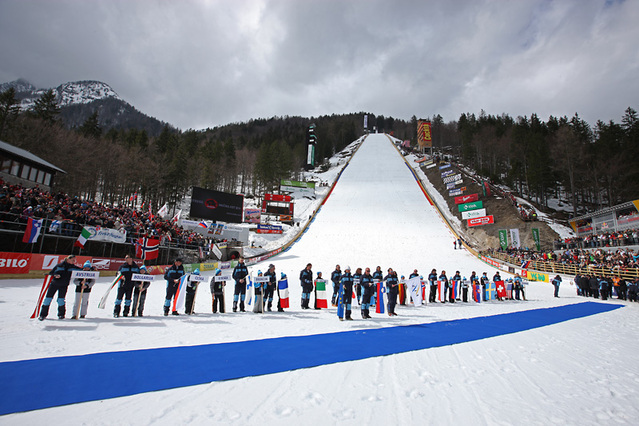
(466, 199)
(478, 221)
(447, 173)
(444, 166)
(473, 213)
(14, 263)
(252, 215)
(424, 139)
(298, 187)
(470, 206)
(106, 234)
(453, 178)
(268, 229)
(503, 239)
(216, 205)
(536, 239)
(514, 238)
(454, 192)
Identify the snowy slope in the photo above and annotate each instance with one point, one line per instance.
(570, 373)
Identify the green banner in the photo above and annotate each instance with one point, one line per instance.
(503, 239)
(471, 206)
(535, 233)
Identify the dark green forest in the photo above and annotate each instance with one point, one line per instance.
(559, 158)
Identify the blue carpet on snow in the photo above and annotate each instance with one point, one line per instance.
(50, 382)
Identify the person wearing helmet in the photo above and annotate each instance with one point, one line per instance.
(191, 290)
(217, 293)
(270, 287)
(346, 281)
(139, 294)
(82, 292)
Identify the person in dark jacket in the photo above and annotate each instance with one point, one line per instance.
(347, 287)
(357, 276)
(125, 288)
(556, 282)
(139, 294)
(432, 278)
(367, 291)
(622, 289)
(444, 289)
(172, 276)
(270, 287)
(593, 284)
(392, 284)
(59, 284)
(217, 292)
(306, 281)
(239, 275)
(378, 275)
(604, 288)
(336, 276)
(191, 291)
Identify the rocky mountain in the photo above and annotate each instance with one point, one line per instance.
(79, 99)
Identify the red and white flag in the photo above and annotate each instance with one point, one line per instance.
(147, 248)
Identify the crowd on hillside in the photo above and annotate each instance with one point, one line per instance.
(18, 203)
(620, 259)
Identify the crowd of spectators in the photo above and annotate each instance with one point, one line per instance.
(620, 259)
(18, 203)
(606, 239)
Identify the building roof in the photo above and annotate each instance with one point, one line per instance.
(19, 152)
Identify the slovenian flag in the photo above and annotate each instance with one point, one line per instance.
(282, 287)
(82, 238)
(441, 291)
(380, 298)
(525, 264)
(320, 291)
(32, 232)
(180, 294)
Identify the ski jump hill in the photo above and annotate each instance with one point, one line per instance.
(549, 358)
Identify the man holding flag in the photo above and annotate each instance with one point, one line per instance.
(367, 289)
(172, 277)
(392, 284)
(346, 281)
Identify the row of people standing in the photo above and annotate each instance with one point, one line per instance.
(591, 285)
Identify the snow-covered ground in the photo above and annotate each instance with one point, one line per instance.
(578, 372)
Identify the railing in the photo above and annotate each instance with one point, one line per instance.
(560, 268)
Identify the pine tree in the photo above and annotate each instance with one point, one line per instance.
(9, 109)
(46, 107)
(91, 127)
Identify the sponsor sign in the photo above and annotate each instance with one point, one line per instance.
(92, 275)
(297, 187)
(106, 234)
(277, 197)
(424, 139)
(252, 215)
(466, 199)
(14, 263)
(537, 276)
(268, 229)
(478, 221)
(216, 205)
(453, 178)
(454, 192)
(536, 239)
(503, 239)
(491, 261)
(447, 173)
(451, 185)
(444, 166)
(473, 213)
(470, 206)
(430, 166)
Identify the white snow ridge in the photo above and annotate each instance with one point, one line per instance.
(580, 372)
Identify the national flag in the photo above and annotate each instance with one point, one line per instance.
(133, 196)
(423, 285)
(43, 292)
(203, 225)
(201, 252)
(180, 294)
(249, 289)
(55, 225)
(477, 293)
(164, 210)
(150, 212)
(491, 292)
(282, 288)
(147, 248)
(441, 291)
(32, 232)
(340, 302)
(82, 238)
(454, 285)
(320, 291)
(402, 293)
(176, 218)
(380, 298)
(501, 289)
(509, 289)
(525, 264)
(414, 286)
(102, 303)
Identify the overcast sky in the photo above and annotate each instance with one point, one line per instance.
(198, 64)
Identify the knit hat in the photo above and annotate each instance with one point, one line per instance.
(141, 267)
(196, 272)
(218, 271)
(87, 264)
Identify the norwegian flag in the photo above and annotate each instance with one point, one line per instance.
(147, 248)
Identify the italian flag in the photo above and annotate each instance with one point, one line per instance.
(320, 288)
(82, 239)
